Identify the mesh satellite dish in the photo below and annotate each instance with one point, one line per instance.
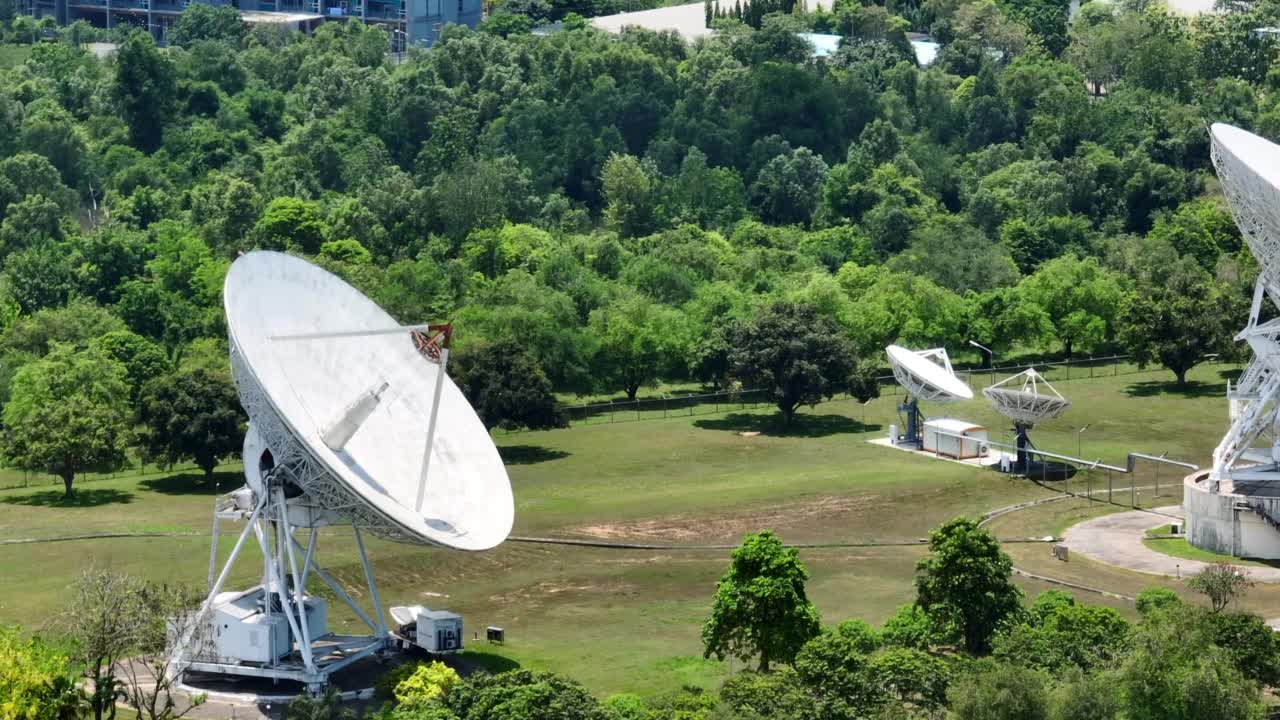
(1249, 167)
(1026, 399)
(925, 375)
(352, 421)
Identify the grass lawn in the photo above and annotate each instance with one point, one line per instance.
(11, 55)
(629, 621)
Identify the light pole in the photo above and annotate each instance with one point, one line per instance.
(987, 350)
(1078, 434)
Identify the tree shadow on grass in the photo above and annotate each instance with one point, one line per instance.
(194, 484)
(470, 661)
(1193, 389)
(529, 454)
(1232, 374)
(802, 425)
(83, 497)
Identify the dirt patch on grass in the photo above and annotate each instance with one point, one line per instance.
(535, 595)
(688, 528)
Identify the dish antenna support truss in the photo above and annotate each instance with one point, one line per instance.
(925, 375)
(1249, 168)
(1026, 399)
(346, 427)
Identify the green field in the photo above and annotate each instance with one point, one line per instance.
(628, 621)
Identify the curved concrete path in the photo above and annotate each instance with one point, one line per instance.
(1116, 539)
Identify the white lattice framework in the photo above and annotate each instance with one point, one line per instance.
(1248, 167)
(1026, 398)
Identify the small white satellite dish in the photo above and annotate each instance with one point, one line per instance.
(352, 420)
(1026, 398)
(925, 375)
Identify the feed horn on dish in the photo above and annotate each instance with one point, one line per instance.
(353, 421)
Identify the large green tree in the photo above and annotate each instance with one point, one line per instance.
(1177, 316)
(507, 387)
(146, 90)
(965, 582)
(68, 413)
(796, 355)
(194, 414)
(760, 608)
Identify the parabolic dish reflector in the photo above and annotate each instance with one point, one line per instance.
(924, 378)
(1249, 167)
(293, 389)
(1026, 398)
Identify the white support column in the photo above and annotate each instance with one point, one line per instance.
(373, 587)
(342, 594)
(431, 428)
(311, 551)
(286, 540)
(279, 583)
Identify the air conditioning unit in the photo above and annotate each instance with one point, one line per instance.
(984, 450)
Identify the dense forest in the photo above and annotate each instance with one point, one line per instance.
(611, 210)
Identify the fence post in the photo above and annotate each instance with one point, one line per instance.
(1091, 367)
(1108, 487)
(611, 412)
(664, 408)
(690, 404)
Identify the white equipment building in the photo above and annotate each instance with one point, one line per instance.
(353, 422)
(1234, 508)
(955, 438)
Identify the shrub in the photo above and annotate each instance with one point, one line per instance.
(428, 682)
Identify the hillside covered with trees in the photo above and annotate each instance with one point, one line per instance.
(611, 211)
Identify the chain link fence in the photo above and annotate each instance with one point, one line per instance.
(685, 405)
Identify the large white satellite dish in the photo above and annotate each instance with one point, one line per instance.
(1026, 398)
(306, 347)
(352, 421)
(925, 375)
(1249, 167)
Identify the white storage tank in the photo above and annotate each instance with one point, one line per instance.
(958, 439)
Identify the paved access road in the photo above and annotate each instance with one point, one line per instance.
(1116, 539)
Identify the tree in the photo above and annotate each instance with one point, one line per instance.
(1066, 635)
(1085, 697)
(143, 360)
(1222, 583)
(429, 681)
(507, 387)
(639, 339)
(1000, 692)
(628, 196)
(290, 223)
(36, 682)
(837, 669)
(1080, 298)
(1175, 670)
(102, 622)
(145, 88)
(522, 694)
(68, 413)
(191, 413)
(1157, 599)
(760, 607)
(199, 22)
(789, 187)
(965, 582)
(1177, 317)
(794, 354)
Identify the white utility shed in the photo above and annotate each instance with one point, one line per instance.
(959, 439)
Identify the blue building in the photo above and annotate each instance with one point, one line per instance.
(409, 22)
